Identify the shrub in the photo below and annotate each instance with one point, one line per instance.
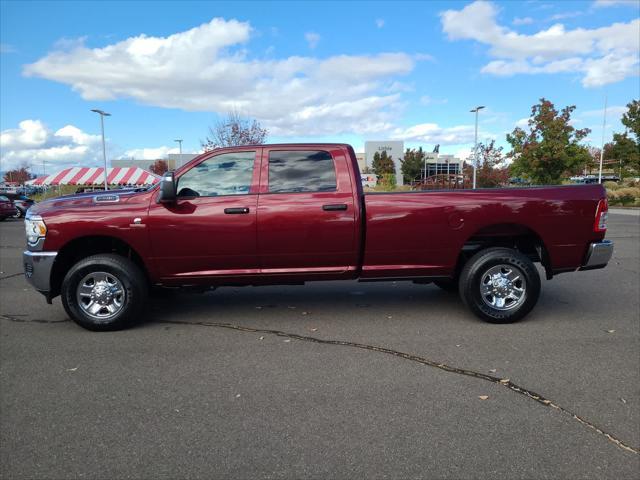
(611, 185)
(627, 195)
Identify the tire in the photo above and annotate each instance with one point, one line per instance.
(510, 275)
(448, 285)
(109, 278)
(18, 214)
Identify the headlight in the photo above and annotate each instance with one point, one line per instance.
(35, 229)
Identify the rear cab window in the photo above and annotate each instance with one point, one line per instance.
(298, 171)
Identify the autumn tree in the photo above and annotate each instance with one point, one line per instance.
(492, 170)
(159, 167)
(383, 164)
(550, 147)
(412, 165)
(18, 175)
(234, 130)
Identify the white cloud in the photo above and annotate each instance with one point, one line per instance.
(379, 22)
(562, 16)
(522, 21)
(149, 153)
(34, 144)
(207, 69)
(7, 48)
(428, 100)
(433, 133)
(312, 39)
(613, 3)
(602, 55)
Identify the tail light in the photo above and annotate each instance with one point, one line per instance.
(600, 224)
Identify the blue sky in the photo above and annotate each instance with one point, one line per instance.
(312, 71)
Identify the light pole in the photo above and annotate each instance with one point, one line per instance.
(604, 126)
(475, 145)
(104, 148)
(179, 140)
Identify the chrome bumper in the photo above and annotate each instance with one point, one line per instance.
(37, 269)
(598, 255)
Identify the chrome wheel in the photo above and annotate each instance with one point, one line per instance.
(503, 287)
(101, 295)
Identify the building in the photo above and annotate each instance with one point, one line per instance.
(394, 149)
(438, 164)
(174, 161)
(362, 161)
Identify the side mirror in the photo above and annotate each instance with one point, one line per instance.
(167, 188)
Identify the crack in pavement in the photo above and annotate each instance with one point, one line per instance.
(11, 276)
(396, 353)
(424, 361)
(14, 318)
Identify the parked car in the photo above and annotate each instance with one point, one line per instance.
(292, 213)
(21, 202)
(7, 208)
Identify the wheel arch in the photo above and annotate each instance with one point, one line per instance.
(82, 247)
(509, 235)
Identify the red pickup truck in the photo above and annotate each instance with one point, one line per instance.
(288, 214)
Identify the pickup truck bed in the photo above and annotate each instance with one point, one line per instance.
(276, 214)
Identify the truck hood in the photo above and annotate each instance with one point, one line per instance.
(87, 200)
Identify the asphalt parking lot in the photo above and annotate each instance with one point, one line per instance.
(184, 396)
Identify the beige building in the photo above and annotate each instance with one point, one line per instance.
(174, 160)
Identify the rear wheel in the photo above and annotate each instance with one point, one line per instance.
(500, 285)
(104, 292)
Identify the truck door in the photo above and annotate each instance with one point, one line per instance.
(210, 231)
(307, 212)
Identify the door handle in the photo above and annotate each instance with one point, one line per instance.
(334, 207)
(236, 210)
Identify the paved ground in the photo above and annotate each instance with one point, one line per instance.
(177, 398)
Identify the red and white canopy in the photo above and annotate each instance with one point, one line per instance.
(95, 176)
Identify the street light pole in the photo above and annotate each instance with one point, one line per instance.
(604, 126)
(475, 145)
(104, 148)
(179, 140)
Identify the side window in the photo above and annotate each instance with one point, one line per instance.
(301, 171)
(226, 174)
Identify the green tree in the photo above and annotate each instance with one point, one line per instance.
(383, 164)
(412, 165)
(551, 148)
(631, 119)
(625, 148)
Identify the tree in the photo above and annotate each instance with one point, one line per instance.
(625, 148)
(631, 118)
(492, 171)
(234, 130)
(159, 167)
(550, 148)
(383, 164)
(18, 175)
(412, 165)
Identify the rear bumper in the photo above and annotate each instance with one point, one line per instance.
(598, 255)
(37, 269)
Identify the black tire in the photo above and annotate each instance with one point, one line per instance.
(18, 214)
(448, 285)
(478, 267)
(129, 275)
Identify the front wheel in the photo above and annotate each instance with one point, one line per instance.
(104, 292)
(500, 285)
